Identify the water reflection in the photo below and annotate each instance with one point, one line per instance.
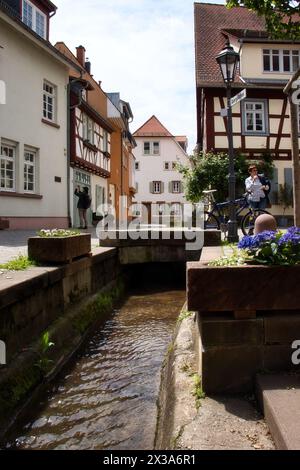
(108, 401)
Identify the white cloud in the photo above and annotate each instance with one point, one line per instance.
(142, 48)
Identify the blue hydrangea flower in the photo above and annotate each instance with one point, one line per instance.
(292, 237)
(250, 243)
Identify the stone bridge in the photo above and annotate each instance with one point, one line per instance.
(160, 245)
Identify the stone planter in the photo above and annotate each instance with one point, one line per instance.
(246, 289)
(248, 318)
(59, 250)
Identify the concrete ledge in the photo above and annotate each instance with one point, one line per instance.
(171, 236)
(176, 402)
(279, 397)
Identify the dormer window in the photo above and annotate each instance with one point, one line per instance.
(34, 18)
(281, 60)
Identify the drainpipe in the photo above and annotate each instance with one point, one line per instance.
(69, 109)
(69, 152)
(122, 163)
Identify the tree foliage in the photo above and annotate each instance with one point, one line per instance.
(210, 171)
(282, 16)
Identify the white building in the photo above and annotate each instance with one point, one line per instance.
(158, 181)
(33, 122)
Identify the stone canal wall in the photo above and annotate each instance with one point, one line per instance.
(64, 303)
(33, 299)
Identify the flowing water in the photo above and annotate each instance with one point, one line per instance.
(108, 399)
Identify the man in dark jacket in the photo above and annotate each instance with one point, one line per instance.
(84, 203)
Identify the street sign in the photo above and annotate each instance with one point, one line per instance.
(239, 97)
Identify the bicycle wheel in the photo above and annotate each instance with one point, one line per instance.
(249, 219)
(211, 222)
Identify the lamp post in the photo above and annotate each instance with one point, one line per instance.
(228, 60)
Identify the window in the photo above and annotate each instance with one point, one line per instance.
(282, 61)
(34, 18)
(137, 166)
(176, 209)
(40, 24)
(7, 167)
(155, 148)
(136, 210)
(29, 171)
(176, 186)
(49, 97)
(90, 131)
(174, 165)
(146, 148)
(28, 14)
(151, 148)
(254, 117)
(157, 187)
(105, 141)
(85, 127)
(167, 165)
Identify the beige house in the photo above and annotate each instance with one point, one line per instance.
(261, 122)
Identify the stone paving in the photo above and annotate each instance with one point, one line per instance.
(14, 242)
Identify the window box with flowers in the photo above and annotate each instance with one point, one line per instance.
(59, 246)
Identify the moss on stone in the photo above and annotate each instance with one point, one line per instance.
(16, 389)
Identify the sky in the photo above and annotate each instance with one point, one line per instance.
(143, 49)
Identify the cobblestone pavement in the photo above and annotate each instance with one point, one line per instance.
(14, 242)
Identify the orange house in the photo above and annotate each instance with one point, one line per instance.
(99, 146)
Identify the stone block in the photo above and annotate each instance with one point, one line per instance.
(278, 358)
(220, 289)
(282, 327)
(223, 331)
(230, 369)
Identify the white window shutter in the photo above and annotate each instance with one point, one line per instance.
(162, 187)
(170, 186)
(151, 188)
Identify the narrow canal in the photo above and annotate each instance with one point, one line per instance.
(107, 399)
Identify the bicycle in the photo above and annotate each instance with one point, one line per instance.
(216, 218)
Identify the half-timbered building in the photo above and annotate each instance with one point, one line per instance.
(99, 127)
(261, 122)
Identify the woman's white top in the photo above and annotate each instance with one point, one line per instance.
(253, 187)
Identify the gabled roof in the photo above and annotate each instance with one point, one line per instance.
(211, 21)
(152, 128)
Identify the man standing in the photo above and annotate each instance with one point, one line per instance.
(84, 203)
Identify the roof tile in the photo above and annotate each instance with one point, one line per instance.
(210, 22)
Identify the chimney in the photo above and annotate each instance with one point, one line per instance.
(87, 66)
(81, 55)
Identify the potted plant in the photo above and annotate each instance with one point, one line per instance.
(59, 246)
(285, 199)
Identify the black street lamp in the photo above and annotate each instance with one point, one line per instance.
(228, 61)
